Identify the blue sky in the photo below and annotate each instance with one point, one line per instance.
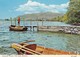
(13, 8)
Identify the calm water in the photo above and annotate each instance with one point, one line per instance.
(60, 41)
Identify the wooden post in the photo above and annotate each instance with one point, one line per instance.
(30, 25)
(24, 21)
(42, 21)
(37, 25)
(30, 28)
(37, 28)
(30, 22)
(33, 28)
(15, 22)
(11, 20)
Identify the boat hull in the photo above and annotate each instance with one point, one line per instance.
(17, 28)
(39, 50)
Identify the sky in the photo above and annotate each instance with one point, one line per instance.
(13, 8)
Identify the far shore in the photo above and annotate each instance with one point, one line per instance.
(74, 24)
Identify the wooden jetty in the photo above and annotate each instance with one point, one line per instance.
(64, 29)
(33, 49)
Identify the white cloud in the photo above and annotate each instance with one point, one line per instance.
(36, 7)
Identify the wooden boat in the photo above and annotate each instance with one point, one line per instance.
(17, 28)
(33, 49)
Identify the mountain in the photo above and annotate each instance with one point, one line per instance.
(40, 16)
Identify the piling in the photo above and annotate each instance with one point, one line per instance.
(15, 22)
(24, 21)
(42, 22)
(37, 26)
(30, 25)
(11, 20)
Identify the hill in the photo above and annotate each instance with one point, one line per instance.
(40, 16)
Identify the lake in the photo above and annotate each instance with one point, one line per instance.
(60, 41)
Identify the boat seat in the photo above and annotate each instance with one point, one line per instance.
(40, 49)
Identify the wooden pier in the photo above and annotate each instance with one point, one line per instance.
(65, 29)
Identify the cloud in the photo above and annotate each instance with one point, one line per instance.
(36, 7)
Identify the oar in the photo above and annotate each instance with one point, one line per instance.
(27, 41)
(24, 49)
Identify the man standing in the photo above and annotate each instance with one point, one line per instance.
(18, 21)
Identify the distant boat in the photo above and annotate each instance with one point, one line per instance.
(33, 49)
(17, 28)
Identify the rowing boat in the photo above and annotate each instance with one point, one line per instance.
(33, 49)
(17, 28)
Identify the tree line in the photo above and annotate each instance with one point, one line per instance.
(72, 16)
